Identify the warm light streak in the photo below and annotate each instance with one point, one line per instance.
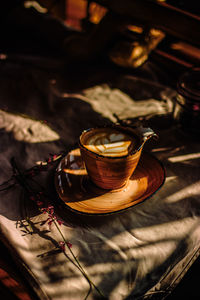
(36, 5)
(160, 149)
(135, 28)
(27, 129)
(170, 178)
(186, 49)
(191, 190)
(184, 157)
(75, 171)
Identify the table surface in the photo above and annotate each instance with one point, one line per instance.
(138, 253)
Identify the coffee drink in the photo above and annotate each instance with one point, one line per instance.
(109, 142)
(111, 154)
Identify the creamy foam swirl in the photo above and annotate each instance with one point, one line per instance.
(109, 142)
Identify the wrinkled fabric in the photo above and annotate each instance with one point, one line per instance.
(134, 254)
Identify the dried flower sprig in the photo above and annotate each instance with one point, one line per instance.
(29, 173)
(53, 219)
(41, 198)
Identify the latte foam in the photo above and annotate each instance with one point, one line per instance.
(109, 142)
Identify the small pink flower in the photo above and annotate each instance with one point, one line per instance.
(196, 107)
(69, 245)
(60, 222)
(62, 245)
(50, 222)
(50, 210)
(40, 203)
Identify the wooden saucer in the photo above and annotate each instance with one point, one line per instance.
(77, 191)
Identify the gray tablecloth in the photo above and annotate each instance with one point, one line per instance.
(139, 253)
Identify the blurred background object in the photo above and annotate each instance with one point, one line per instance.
(127, 32)
(124, 30)
(187, 110)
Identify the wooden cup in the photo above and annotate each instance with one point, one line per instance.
(113, 172)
